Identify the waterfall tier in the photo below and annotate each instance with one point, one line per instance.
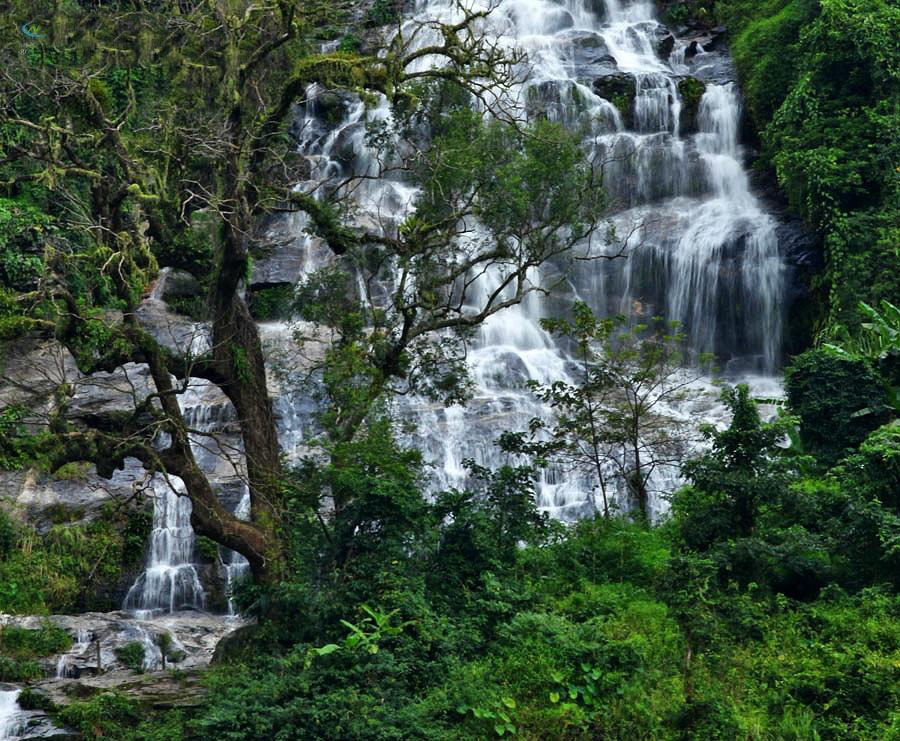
(702, 251)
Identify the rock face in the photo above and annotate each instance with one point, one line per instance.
(155, 690)
(620, 90)
(43, 500)
(691, 91)
(192, 639)
(31, 369)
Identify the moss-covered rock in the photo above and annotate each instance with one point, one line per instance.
(691, 91)
(619, 89)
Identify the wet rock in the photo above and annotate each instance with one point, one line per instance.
(618, 89)
(665, 46)
(660, 37)
(586, 52)
(287, 252)
(691, 91)
(556, 100)
(193, 637)
(237, 645)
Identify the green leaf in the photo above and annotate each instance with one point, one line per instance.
(554, 697)
(500, 729)
(509, 702)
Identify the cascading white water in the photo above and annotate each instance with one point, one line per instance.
(170, 580)
(66, 661)
(705, 252)
(10, 714)
(236, 566)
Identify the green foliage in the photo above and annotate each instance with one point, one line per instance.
(19, 647)
(18, 449)
(821, 83)
(273, 302)
(607, 424)
(8, 535)
(206, 547)
(73, 567)
(838, 399)
(131, 655)
(22, 226)
(383, 12)
(108, 715)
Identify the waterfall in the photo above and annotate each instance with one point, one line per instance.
(703, 251)
(170, 580)
(10, 714)
(236, 566)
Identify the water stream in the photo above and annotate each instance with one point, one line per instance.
(701, 251)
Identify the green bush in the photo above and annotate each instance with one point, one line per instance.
(273, 302)
(131, 655)
(839, 401)
(73, 568)
(19, 647)
(108, 715)
(8, 535)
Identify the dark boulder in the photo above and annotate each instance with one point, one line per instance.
(691, 91)
(618, 89)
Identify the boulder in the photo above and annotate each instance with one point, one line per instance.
(32, 368)
(193, 637)
(619, 89)
(237, 645)
(176, 284)
(691, 91)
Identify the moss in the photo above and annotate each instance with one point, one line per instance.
(206, 547)
(75, 471)
(691, 91)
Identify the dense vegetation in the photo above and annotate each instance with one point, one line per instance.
(765, 606)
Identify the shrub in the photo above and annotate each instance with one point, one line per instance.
(131, 655)
(839, 401)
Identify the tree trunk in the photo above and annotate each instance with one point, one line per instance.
(238, 357)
